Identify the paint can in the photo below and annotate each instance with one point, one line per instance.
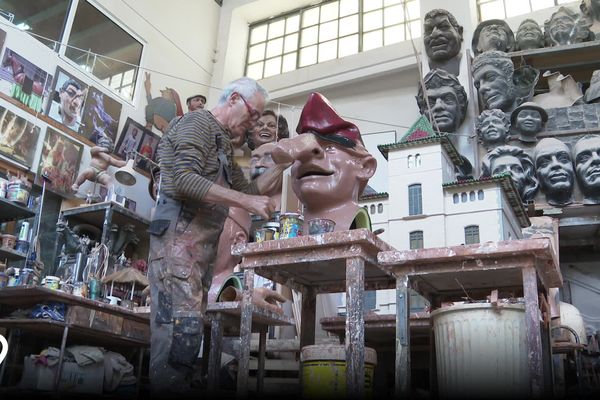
(291, 225)
(273, 226)
(25, 277)
(80, 289)
(317, 226)
(260, 235)
(18, 192)
(52, 282)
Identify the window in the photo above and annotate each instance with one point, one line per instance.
(471, 196)
(480, 195)
(455, 198)
(471, 234)
(463, 197)
(379, 208)
(372, 208)
(416, 240)
(501, 9)
(410, 161)
(41, 17)
(415, 206)
(330, 30)
(116, 52)
(417, 160)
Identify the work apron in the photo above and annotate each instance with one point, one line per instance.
(183, 247)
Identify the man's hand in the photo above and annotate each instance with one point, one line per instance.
(267, 298)
(260, 205)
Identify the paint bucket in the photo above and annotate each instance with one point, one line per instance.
(52, 282)
(18, 192)
(291, 225)
(317, 226)
(80, 289)
(273, 226)
(260, 235)
(324, 371)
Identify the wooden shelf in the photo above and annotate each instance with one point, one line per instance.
(10, 211)
(11, 255)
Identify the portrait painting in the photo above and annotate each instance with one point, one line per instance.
(24, 81)
(59, 162)
(130, 138)
(100, 117)
(67, 100)
(147, 150)
(18, 137)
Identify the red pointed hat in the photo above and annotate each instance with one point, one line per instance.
(319, 118)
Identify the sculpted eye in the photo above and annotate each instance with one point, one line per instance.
(584, 157)
(330, 148)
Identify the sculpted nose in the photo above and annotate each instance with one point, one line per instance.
(302, 147)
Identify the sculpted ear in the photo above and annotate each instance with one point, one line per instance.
(368, 166)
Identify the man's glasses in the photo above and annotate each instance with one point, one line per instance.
(254, 114)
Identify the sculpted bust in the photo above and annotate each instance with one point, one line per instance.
(447, 101)
(493, 128)
(528, 120)
(493, 34)
(566, 27)
(586, 154)
(493, 73)
(442, 37)
(514, 161)
(554, 169)
(529, 36)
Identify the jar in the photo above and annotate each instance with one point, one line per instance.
(95, 287)
(8, 241)
(18, 191)
(291, 225)
(274, 226)
(52, 282)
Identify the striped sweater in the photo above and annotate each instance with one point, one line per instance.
(188, 158)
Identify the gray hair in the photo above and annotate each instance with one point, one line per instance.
(245, 86)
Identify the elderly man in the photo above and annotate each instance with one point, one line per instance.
(493, 128)
(331, 165)
(447, 101)
(566, 26)
(493, 34)
(195, 102)
(529, 35)
(442, 36)
(493, 73)
(199, 182)
(514, 161)
(554, 169)
(586, 154)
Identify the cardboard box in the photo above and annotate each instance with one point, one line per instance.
(74, 379)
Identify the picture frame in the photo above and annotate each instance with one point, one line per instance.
(68, 93)
(100, 118)
(18, 137)
(24, 81)
(147, 147)
(130, 138)
(59, 161)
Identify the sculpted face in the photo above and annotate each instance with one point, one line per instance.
(587, 163)
(442, 40)
(554, 167)
(493, 131)
(562, 27)
(445, 109)
(71, 100)
(265, 130)
(529, 36)
(493, 37)
(494, 87)
(261, 159)
(513, 166)
(529, 122)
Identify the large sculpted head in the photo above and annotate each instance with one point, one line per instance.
(447, 100)
(586, 154)
(493, 34)
(566, 26)
(514, 161)
(331, 166)
(493, 128)
(529, 35)
(442, 35)
(528, 119)
(554, 169)
(493, 73)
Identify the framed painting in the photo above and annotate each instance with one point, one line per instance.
(24, 81)
(100, 118)
(68, 100)
(18, 137)
(130, 138)
(59, 162)
(147, 149)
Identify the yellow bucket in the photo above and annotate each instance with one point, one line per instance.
(324, 371)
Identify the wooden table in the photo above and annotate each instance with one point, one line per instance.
(91, 321)
(344, 261)
(224, 319)
(447, 273)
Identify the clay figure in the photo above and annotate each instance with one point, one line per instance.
(493, 73)
(514, 161)
(493, 128)
(586, 154)
(529, 35)
(565, 27)
(447, 101)
(528, 119)
(101, 160)
(442, 37)
(493, 34)
(554, 169)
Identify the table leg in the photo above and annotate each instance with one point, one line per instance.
(307, 321)
(214, 357)
(260, 374)
(355, 328)
(402, 337)
(245, 334)
(532, 331)
(61, 357)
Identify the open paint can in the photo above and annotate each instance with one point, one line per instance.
(291, 225)
(316, 226)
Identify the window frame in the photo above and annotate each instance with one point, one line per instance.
(412, 206)
(469, 234)
(412, 239)
(480, 2)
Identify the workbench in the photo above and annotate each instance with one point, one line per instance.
(344, 261)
